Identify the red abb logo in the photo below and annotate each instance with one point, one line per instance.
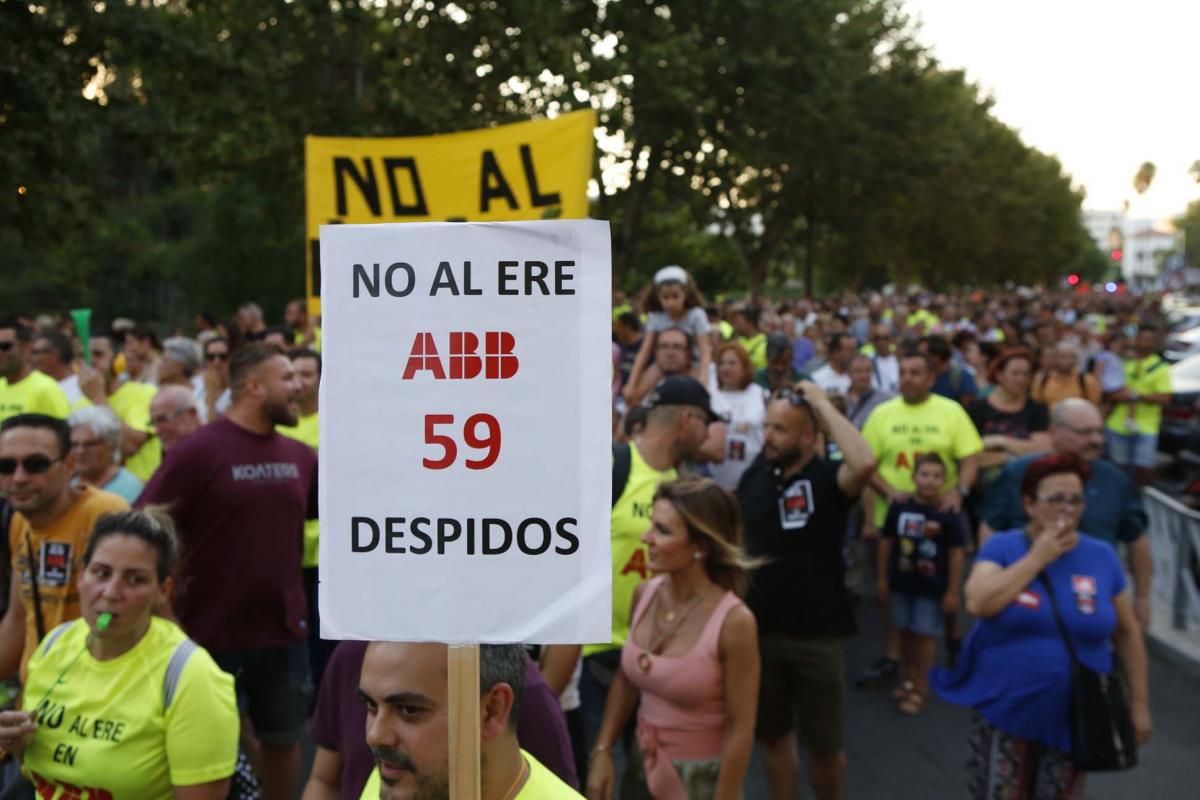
(465, 362)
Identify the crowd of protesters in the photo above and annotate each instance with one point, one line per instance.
(774, 463)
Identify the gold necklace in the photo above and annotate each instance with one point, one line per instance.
(512, 790)
(659, 638)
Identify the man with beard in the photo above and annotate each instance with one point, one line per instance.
(239, 493)
(405, 689)
(795, 504)
(48, 533)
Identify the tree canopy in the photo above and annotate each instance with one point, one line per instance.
(152, 151)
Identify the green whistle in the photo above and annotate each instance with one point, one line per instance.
(102, 621)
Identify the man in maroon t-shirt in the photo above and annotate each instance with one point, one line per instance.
(239, 493)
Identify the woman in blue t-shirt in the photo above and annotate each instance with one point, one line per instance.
(1015, 670)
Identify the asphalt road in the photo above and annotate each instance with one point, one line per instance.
(894, 757)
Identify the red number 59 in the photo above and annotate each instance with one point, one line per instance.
(489, 442)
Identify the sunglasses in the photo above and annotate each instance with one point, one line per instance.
(6, 346)
(216, 356)
(795, 398)
(34, 465)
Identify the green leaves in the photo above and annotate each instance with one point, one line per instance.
(753, 141)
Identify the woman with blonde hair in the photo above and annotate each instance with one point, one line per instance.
(692, 653)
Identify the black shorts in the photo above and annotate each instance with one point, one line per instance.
(273, 689)
(803, 690)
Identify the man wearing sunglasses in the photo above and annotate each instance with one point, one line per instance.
(24, 390)
(795, 504)
(47, 535)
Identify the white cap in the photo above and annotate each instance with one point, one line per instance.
(671, 273)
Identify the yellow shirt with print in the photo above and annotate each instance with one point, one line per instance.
(307, 430)
(630, 519)
(542, 784)
(106, 728)
(898, 432)
(57, 558)
(36, 393)
(756, 348)
(1150, 375)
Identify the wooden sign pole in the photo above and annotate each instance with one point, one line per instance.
(464, 721)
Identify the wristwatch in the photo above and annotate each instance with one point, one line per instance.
(964, 491)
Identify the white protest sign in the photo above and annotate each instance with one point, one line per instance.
(466, 432)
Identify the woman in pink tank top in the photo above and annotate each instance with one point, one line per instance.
(692, 654)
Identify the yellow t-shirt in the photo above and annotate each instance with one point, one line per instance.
(756, 348)
(1150, 375)
(542, 784)
(106, 726)
(898, 433)
(307, 430)
(921, 318)
(57, 559)
(131, 403)
(36, 393)
(630, 519)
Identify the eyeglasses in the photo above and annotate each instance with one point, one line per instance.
(216, 356)
(163, 419)
(34, 465)
(1068, 500)
(1084, 431)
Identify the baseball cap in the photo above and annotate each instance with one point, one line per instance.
(681, 390)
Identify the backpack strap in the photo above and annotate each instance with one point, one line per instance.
(1160, 363)
(622, 465)
(53, 635)
(179, 660)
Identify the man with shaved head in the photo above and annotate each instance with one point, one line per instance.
(175, 414)
(406, 693)
(1112, 502)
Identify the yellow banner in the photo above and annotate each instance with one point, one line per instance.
(527, 170)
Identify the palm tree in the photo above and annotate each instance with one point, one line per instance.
(1144, 177)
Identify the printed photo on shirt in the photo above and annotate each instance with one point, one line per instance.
(55, 569)
(796, 505)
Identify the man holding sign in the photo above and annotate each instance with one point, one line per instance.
(404, 687)
(440, 474)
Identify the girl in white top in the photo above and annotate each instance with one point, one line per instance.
(737, 398)
(673, 301)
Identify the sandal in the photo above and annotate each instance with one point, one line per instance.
(913, 704)
(903, 689)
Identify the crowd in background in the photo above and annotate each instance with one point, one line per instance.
(774, 463)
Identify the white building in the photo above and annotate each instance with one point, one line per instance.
(1138, 240)
(1143, 255)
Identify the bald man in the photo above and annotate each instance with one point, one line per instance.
(175, 414)
(1113, 510)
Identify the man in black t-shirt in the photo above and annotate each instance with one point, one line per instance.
(795, 505)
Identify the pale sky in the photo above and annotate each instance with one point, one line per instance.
(1102, 84)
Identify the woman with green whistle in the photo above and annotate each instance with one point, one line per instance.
(120, 703)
